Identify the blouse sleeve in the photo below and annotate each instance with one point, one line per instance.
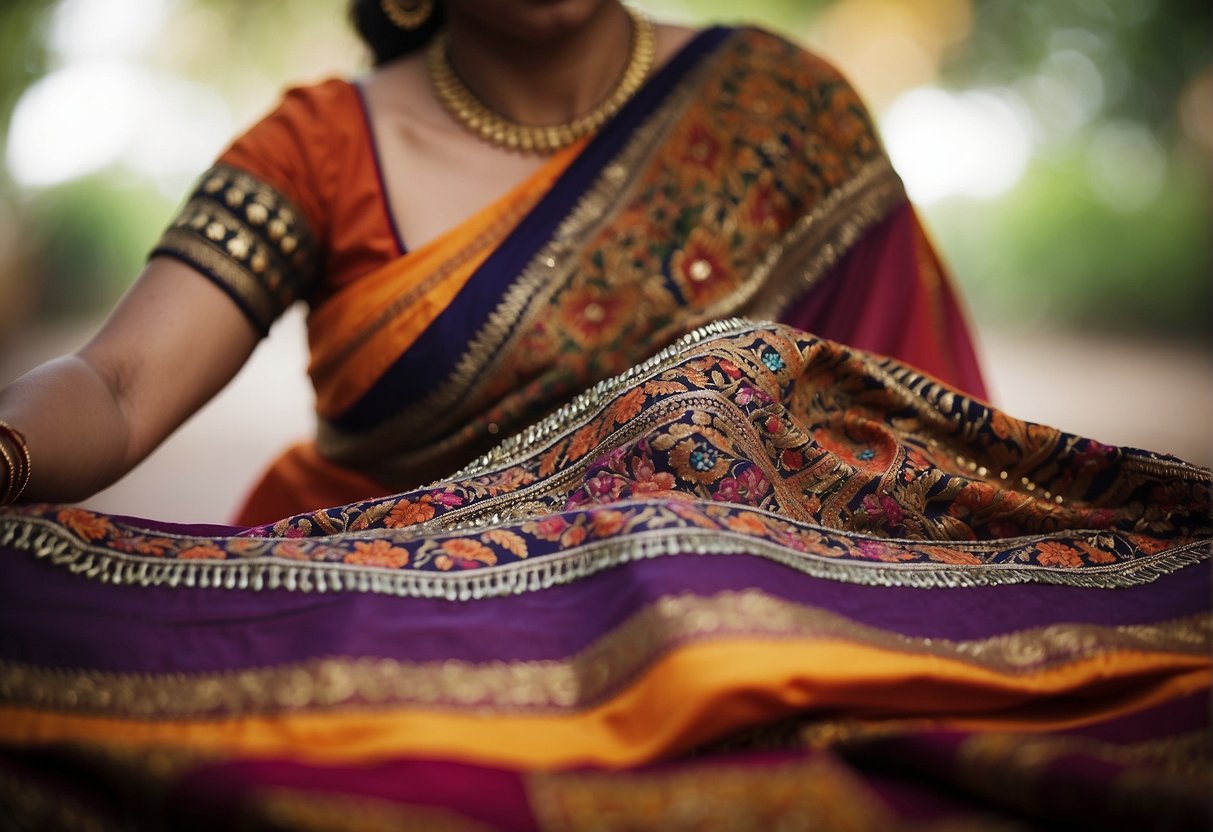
(256, 222)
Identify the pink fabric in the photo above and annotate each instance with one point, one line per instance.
(891, 295)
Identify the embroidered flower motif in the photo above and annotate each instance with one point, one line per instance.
(747, 394)
(446, 498)
(876, 550)
(699, 150)
(647, 479)
(884, 509)
(703, 268)
(408, 513)
(773, 361)
(749, 486)
(765, 207)
(85, 523)
(573, 536)
(698, 458)
(1051, 553)
(377, 553)
(746, 523)
(730, 369)
(203, 552)
(607, 523)
(592, 315)
(549, 528)
(462, 553)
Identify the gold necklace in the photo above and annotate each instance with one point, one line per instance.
(496, 129)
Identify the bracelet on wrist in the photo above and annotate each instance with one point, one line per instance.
(14, 456)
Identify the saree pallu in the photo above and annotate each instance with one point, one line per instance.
(745, 177)
(761, 580)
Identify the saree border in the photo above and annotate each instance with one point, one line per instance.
(582, 680)
(253, 570)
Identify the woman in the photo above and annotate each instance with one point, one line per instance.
(810, 584)
(752, 184)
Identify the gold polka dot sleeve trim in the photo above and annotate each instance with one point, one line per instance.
(249, 239)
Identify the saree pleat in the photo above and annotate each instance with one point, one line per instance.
(759, 579)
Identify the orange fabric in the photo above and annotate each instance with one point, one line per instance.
(361, 331)
(699, 692)
(316, 150)
(300, 476)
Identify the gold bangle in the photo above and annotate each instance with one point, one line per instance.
(10, 473)
(19, 468)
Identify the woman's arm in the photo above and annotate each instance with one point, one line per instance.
(173, 341)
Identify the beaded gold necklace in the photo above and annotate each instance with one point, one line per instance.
(496, 129)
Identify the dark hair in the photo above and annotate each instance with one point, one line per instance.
(386, 40)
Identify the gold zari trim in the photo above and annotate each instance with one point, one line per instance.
(46, 539)
(580, 681)
(249, 238)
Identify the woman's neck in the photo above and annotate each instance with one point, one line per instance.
(542, 71)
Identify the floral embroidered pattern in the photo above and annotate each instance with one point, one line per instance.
(805, 448)
(760, 140)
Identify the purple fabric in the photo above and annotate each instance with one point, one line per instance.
(69, 623)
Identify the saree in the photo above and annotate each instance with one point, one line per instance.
(744, 178)
(759, 580)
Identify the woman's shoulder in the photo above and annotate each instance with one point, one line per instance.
(325, 99)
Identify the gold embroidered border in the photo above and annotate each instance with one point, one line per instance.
(249, 237)
(818, 241)
(582, 680)
(254, 571)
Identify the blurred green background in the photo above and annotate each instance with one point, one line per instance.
(1059, 150)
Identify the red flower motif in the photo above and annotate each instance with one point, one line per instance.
(592, 315)
(700, 148)
(765, 206)
(703, 268)
(749, 487)
(884, 507)
(550, 528)
(730, 369)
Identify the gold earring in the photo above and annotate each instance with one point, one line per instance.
(407, 14)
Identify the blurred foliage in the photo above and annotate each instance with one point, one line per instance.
(1054, 250)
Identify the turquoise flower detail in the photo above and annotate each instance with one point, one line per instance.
(774, 361)
(703, 458)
